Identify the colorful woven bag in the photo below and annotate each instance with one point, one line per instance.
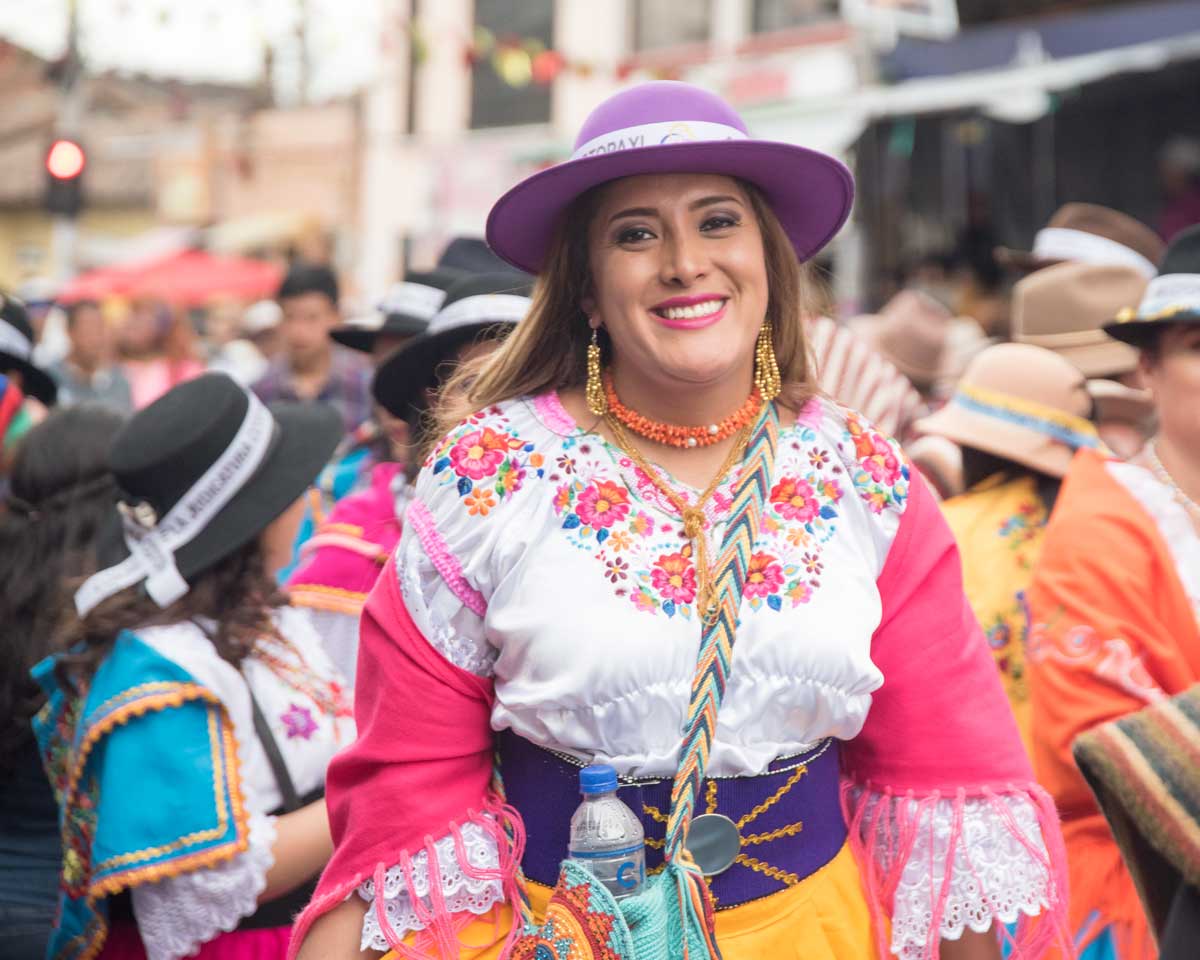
(672, 918)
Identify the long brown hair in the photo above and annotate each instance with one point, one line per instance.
(238, 596)
(547, 351)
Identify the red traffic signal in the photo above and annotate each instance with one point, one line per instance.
(65, 160)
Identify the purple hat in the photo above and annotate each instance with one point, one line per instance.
(673, 127)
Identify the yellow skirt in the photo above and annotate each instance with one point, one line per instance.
(823, 917)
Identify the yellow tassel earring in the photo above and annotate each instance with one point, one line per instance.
(596, 400)
(766, 367)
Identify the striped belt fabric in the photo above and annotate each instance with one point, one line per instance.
(789, 819)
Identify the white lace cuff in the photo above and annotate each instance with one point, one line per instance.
(999, 864)
(177, 915)
(461, 892)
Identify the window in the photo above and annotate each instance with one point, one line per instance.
(769, 15)
(495, 101)
(670, 23)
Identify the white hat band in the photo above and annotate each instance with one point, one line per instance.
(482, 308)
(152, 549)
(658, 134)
(14, 342)
(1061, 243)
(1171, 291)
(413, 299)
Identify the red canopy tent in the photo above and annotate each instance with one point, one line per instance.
(187, 277)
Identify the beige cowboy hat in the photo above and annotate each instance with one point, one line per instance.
(911, 332)
(1064, 308)
(1089, 233)
(1020, 402)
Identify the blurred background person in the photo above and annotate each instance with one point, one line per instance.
(219, 683)
(1064, 308)
(1115, 599)
(341, 561)
(1179, 175)
(1019, 414)
(228, 348)
(310, 367)
(60, 492)
(157, 349)
(88, 374)
(16, 355)
(260, 325)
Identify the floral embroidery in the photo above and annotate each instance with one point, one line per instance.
(601, 504)
(78, 834)
(882, 475)
(298, 722)
(674, 577)
(486, 461)
(610, 509)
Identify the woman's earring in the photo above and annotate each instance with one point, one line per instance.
(766, 367)
(596, 400)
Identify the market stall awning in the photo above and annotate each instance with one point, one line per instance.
(186, 278)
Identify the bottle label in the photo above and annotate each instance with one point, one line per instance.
(606, 854)
(631, 873)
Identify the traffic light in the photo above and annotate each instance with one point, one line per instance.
(65, 163)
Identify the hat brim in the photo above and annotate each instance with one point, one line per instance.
(35, 382)
(401, 380)
(308, 434)
(363, 338)
(809, 192)
(1140, 332)
(1025, 261)
(1007, 440)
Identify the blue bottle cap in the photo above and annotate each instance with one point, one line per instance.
(598, 778)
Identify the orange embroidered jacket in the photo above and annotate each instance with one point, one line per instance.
(1113, 630)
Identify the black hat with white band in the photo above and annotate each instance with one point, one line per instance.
(404, 312)
(16, 351)
(1172, 297)
(201, 472)
(482, 306)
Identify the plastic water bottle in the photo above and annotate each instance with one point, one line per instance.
(607, 838)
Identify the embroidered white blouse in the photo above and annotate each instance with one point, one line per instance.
(297, 687)
(540, 556)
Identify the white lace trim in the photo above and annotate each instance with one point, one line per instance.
(1172, 521)
(994, 878)
(175, 917)
(461, 892)
(454, 631)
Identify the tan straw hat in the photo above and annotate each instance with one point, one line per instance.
(1022, 403)
(910, 331)
(1065, 307)
(1089, 233)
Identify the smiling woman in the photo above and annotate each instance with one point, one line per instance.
(678, 559)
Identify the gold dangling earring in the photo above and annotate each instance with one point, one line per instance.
(766, 367)
(596, 400)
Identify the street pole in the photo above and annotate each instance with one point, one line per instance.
(64, 237)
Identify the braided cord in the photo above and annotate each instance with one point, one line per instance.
(716, 641)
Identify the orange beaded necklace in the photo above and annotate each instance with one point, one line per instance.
(672, 435)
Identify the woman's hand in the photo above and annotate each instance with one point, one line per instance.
(972, 946)
(335, 935)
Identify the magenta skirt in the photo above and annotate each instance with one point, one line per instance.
(271, 943)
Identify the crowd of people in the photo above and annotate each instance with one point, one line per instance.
(310, 624)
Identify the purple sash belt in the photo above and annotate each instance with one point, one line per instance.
(789, 818)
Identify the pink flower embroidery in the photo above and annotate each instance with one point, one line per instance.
(479, 453)
(795, 500)
(674, 577)
(562, 498)
(642, 524)
(882, 463)
(764, 576)
(298, 722)
(602, 504)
